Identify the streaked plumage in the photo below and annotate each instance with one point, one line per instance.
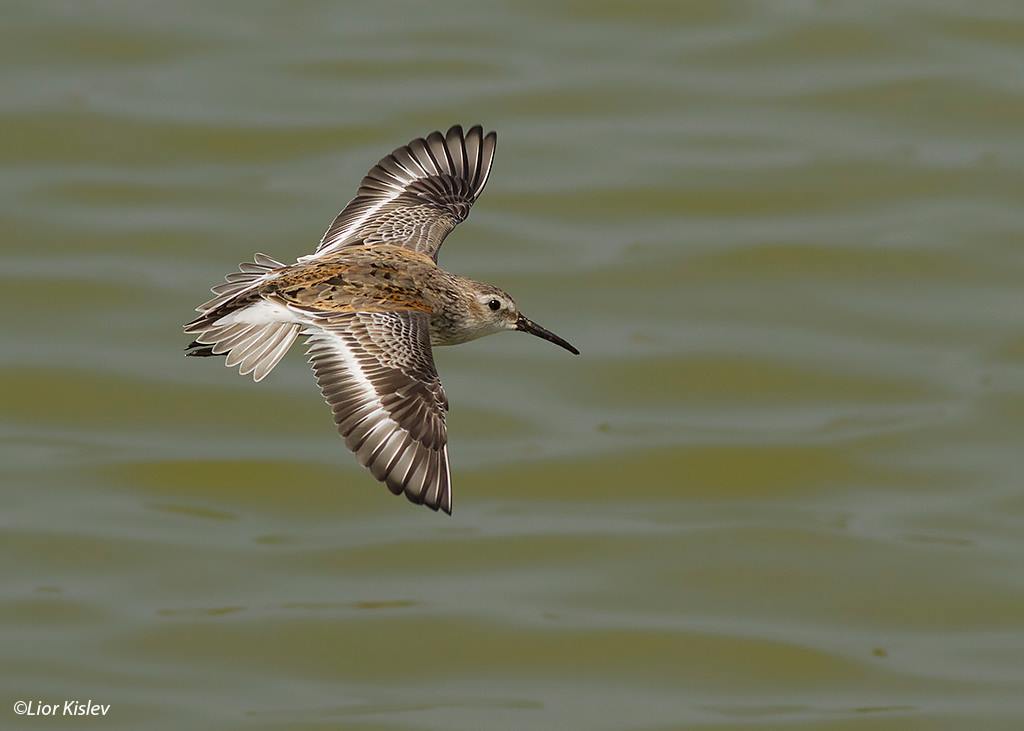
(371, 302)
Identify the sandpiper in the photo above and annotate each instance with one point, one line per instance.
(371, 302)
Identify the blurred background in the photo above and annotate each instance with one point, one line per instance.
(780, 489)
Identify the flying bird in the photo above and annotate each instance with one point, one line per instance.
(372, 302)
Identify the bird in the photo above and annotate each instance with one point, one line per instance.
(372, 302)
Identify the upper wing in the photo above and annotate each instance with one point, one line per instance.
(376, 371)
(416, 195)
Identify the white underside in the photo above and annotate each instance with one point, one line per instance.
(260, 313)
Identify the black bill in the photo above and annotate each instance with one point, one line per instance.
(529, 326)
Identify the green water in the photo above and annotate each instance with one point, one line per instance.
(780, 489)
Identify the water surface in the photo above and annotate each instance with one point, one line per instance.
(780, 489)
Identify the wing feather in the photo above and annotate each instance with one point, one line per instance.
(415, 196)
(376, 371)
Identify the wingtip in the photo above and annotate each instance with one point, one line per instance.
(439, 507)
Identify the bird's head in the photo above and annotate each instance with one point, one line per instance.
(494, 310)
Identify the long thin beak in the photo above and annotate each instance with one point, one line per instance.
(529, 326)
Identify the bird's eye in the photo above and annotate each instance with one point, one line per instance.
(494, 305)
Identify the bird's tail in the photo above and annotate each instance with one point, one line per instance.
(235, 324)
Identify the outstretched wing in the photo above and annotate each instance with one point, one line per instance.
(416, 195)
(376, 371)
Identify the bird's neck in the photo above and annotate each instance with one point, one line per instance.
(454, 304)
